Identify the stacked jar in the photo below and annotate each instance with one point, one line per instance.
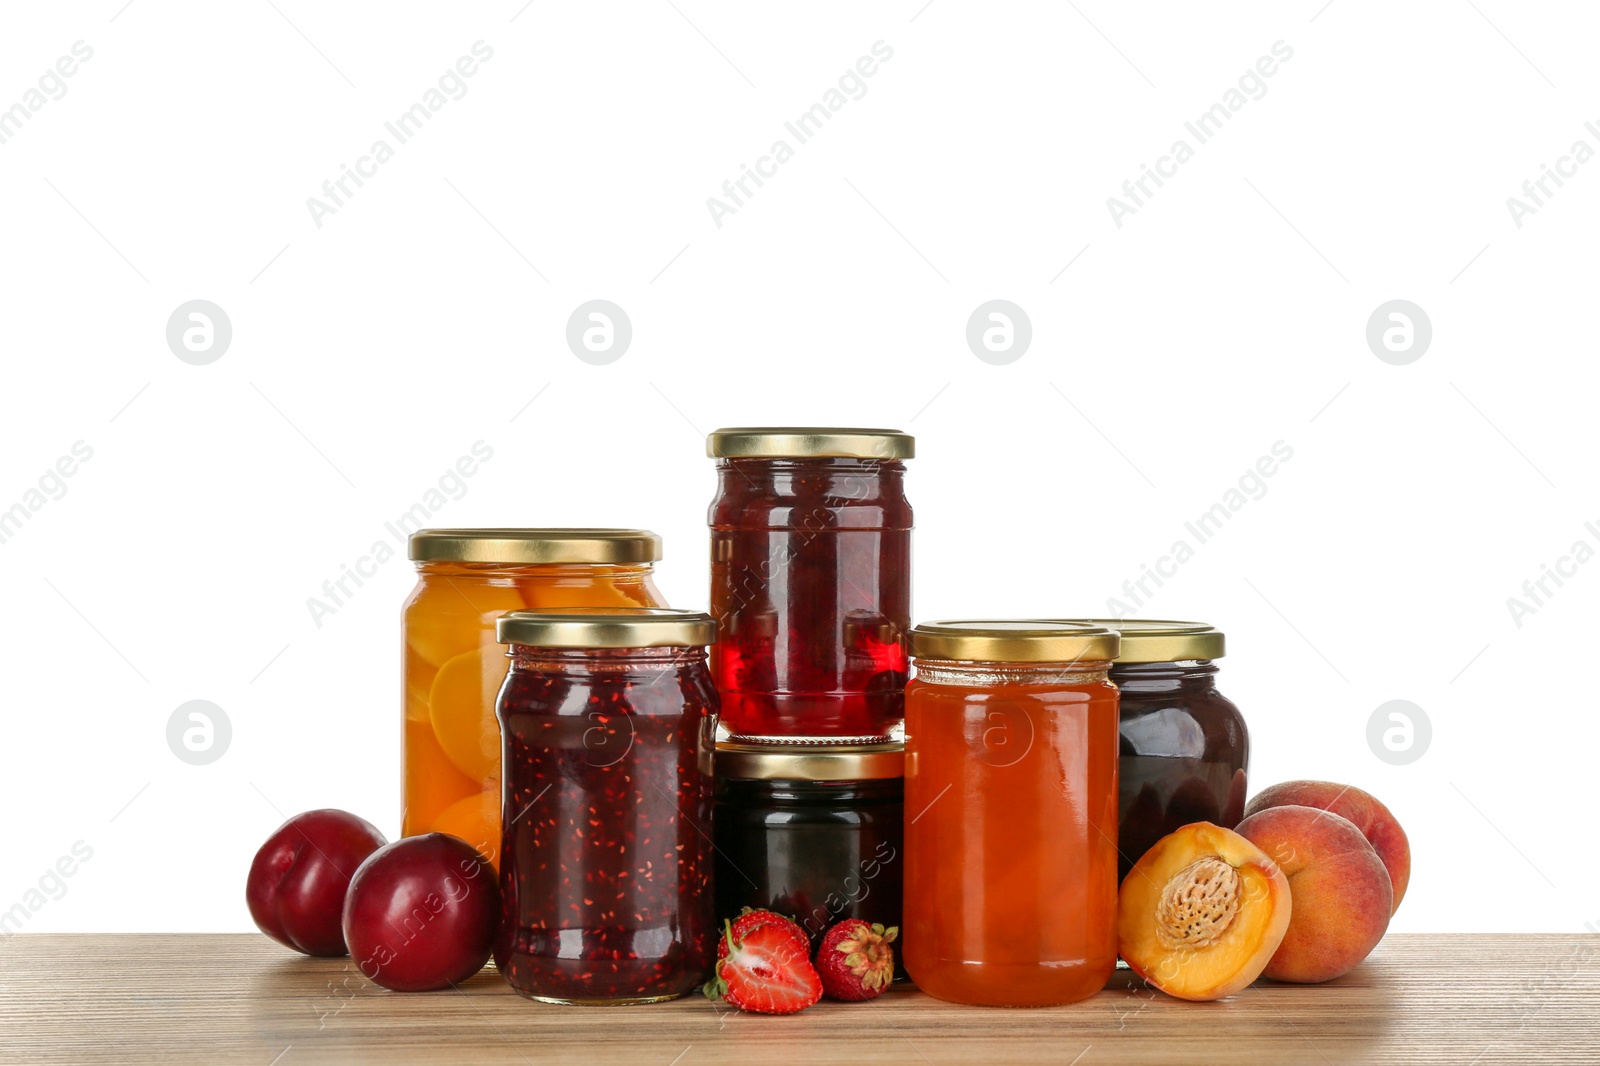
(811, 592)
(811, 831)
(466, 579)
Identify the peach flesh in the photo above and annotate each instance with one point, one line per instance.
(1201, 913)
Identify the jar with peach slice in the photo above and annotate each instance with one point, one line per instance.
(444, 617)
(459, 689)
(467, 579)
(430, 794)
(476, 820)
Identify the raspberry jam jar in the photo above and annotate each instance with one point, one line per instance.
(811, 583)
(812, 832)
(1185, 748)
(467, 578)
(608, 721)
(1011, 803)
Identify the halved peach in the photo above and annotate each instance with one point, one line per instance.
(1200, 915)
(476, 820)
(461, 707)
(557, 593)
(419, 682)
(432, 780)
(450, 618)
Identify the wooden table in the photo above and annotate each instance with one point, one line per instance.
(243, 999)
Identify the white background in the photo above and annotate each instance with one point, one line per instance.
(429, 312)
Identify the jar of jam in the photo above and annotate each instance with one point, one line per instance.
(467, 578)
(812, 832)
(1185, 749)
(1011, 801)
(811, 583)
(609, 721)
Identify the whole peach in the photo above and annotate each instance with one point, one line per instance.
(1376, 823)
(1339, 886)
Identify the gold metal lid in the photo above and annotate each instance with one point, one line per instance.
(1013, 641)
(607, 627)
(780, 442)
(1161, 640)
(811, 762)
(534, 546)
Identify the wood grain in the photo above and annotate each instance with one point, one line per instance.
(242, 999)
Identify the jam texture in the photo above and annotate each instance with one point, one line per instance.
(606, 860)
(811, 589)
(817, 851)
(1185, 754)
(1010, 870)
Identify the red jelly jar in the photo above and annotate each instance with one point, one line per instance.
(608, 721)
(811, 583)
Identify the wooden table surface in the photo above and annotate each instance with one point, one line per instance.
(243, 999)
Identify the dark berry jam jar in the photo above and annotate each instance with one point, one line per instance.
(1185, 748)
(811, 583)
(813, 832)
(608, 722)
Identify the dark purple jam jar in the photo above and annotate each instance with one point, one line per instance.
(813, 832)
(1185, 748)
(607, 721)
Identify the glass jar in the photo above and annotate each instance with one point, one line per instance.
(815, 833)
(467, 578)
(1185, 748)
(811, 582)
(1011, 787)
(609, 721)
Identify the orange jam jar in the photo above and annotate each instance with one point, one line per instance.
(1011, 812)
(466, 579)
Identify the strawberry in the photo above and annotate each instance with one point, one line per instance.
(765, 970)
(749, 919)
(855, 960)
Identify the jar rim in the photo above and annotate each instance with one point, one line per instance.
(535, 545)
(779, 442)
(607, 627)
(810, 762)
(1162, 640)
(1022, 640)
